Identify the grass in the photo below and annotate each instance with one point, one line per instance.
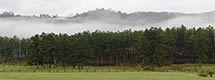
(20, 68)
(187, 68)
(171, 68)
(102, 76)
(172, 72)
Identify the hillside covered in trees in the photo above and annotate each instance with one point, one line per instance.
(110, 16)
(153, 46)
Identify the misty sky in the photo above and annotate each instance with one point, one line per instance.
(64, 7)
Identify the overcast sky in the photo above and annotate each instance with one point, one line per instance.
(64, 7)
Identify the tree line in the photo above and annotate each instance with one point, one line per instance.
(153, 47)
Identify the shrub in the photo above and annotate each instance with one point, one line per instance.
(210, 72)
(203, 74)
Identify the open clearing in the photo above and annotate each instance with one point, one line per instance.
(102, 76)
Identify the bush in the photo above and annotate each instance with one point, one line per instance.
(178, 68)
(210, 72)
(203, 74)
(147, 68)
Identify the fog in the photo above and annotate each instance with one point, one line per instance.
(24, 28)
(27, 27)
(201, 20)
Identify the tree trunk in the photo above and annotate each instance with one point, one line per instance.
(97, 60)
(101, 61)
(50, 65)
(82, 66)
(73, 66)
(79, 67)
(38, 65)
(55, 62)
(153, 68)
(200, 64)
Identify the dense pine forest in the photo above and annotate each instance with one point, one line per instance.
(153, 46)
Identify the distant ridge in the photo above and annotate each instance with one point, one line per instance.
(117, 17)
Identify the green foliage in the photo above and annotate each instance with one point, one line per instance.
(149, 47)
(211, 73)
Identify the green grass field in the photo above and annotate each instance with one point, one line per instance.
(170, 68)
(102, 76)
(172, 72)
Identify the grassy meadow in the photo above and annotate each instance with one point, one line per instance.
(172, 72)
(102, 76)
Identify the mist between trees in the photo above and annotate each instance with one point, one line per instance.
(151, 47)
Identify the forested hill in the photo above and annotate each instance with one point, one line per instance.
(146, 18)
(111, 16)
(137, 18)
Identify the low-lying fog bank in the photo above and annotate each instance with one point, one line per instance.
(29, 27)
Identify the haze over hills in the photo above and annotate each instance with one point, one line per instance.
(118, 17)
(99, 19)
